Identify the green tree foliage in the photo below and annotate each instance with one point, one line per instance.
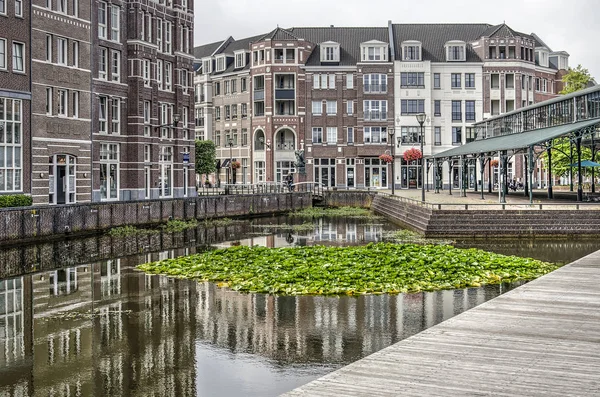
(576, 79)
(206, 157)
(15, 200)
(561, 161)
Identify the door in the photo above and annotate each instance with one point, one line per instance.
(350, 177)
(61, 186)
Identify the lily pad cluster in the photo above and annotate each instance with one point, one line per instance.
(371, 269)
(344, 212)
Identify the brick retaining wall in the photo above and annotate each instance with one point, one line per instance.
(24, 224)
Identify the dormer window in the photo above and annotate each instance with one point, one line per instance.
(374, 51)
(456, 51)
(207, 66)
(240, 59)
(221, 63)
(411, 51)
(330, 52)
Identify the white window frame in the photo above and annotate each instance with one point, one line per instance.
(115, 65)
(168, 35)
(146, 72)
(2, 7)
(75, 103)
(350, 135)
(19, 8)
(319, 135)
(331, 81)
(61, 6)
(115, 116)
(102, 114)
(375, 131)
(12, 165)
(49, 100)
(147, 113)
(109, 158)
(115, 23)
(102, 19)
(103, 63)
(168, 76)
(349, 81)
(159, 34)
(63, 103)
(3, 55)
(331, 107)
(332, 135)
(350, 107)
(62, 54)
(375, 83)
(159, 73)
(48, 48)
(375, 110)
(15, 57)
(240, 60)
(330, 52)
(317, 108)
(75, 54)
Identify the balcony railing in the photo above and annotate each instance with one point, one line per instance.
(470, 116)
(456, 116)
(375, 115)
(375, 88)
(286, 146)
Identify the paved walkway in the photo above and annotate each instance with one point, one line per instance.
(541, 339)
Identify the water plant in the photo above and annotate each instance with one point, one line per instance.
(371, 269)
(347, 212)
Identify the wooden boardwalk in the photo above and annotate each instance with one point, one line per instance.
(542, 339)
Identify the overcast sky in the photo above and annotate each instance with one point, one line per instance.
(569, 25)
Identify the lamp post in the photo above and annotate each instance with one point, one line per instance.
(421, 119)
(230, 144)
(391, 132)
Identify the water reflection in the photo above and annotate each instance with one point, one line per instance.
(85, 327)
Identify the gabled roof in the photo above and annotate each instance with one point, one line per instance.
(539, 42)
(349, 39)
(434, 36)
(230, 48)
(208, 50)
(279, 34)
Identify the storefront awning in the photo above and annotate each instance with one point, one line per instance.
(516, 141)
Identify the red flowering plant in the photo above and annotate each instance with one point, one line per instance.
(235, 165)
(412, 154)
(386, 158)
(494, 163)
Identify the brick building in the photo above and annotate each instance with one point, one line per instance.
(344, 96)
(15, 97)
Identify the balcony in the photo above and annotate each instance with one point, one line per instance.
(286, 146)
(259, 94)
(285, 93)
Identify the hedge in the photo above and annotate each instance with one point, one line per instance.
(15, 200)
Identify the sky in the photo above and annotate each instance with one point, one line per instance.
(564, 25)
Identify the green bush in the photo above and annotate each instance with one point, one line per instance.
(15, 200)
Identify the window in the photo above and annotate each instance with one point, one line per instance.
(374, 83)
(147, 154)
(234, 111)
(3, 7)
(11, 152)
(18, 8)
(147, 118)
(109, 171)
(159, 73)
(75, 54)
(455, 80)
(227, 112)
(227, 87)
(233, 84)
(375, 110)
(349, 81)
(168, 31)
(316, 81)
(244, 137)
(456, 111)
(217, 88)
(412, 80)
(240, 60)
(331, 81)
(350, 107)
(244, 110)
(218, 113)
(168, 74)
(159, 42)
(331, 108)
(437, 136)
(317, 108)
(146, 72)
(374, 53)
(148, 27)
(330, 52)
(18, 57)
(537, 84)
(317, 135)
(510, 80)
(102, 20)
(410, 135)
(470, 134)
(48, 48)
(114, 22)
(116, 65)
(469, 80)
(350, 135)
(495, 81)
(61, 6)
(102, 115)
(457, 135)
(75, 104)
(62, 102)
(49, 97)
(375, 135)
(470, 110)
(332, 135)
(456, 53)
(102, 63)
(412, 106)
(437, 107)
(244, 84)
(116, 116)
(437, 83)
(411, 53)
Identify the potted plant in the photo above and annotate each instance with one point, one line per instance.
(412, 154)
(386, 158)
(494, 162)
(235, 165)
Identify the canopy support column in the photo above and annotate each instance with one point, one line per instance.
(527, 184)
(571, 162)
(593, 160)
(481, 170)
(463, 176)
(531, 169)
(550, 192)
(450, 169)
(502, 176)
(579, 176)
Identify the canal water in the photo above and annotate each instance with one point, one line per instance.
(82, 321)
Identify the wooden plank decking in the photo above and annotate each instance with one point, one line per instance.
(542, 339)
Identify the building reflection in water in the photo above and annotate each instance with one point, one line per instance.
(106, 329)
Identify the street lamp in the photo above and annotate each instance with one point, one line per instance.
(421, 119)
(176, 118)
(230, 144)
(391, 134)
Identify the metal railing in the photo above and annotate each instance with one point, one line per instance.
(316, 188)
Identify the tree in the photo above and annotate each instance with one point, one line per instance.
(561, 157)
(576, 79)
(206, 157)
